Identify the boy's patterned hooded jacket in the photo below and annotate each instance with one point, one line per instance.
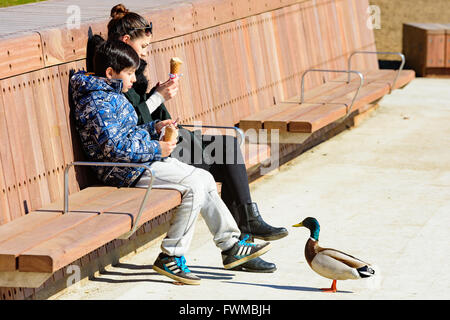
(107, 124)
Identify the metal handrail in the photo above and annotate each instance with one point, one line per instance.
(110, 164)
(361, 82)
(402, 56)
(239, 132)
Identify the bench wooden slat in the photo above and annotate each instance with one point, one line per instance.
(20, 54)
(93, 199)
(4, 206)
(280, 120)
(25, 224)
(370, 93)
(90, 201)
(9, 190)
(23, 136)
(65, 248)
(318, 118)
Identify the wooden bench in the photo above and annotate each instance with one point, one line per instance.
(296, 118)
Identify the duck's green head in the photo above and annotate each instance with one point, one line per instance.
(312, 224)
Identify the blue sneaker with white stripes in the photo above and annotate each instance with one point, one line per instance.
(243, 251)
(175, 268)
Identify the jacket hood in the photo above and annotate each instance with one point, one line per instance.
(82, 83)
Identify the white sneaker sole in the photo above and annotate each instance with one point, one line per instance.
(175, 277)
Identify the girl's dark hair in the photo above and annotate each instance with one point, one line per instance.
(115, 54)
(93, 43)
(125, 22)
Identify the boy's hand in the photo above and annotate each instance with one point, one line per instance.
(168, 89)
(167, 148)
(162, 124)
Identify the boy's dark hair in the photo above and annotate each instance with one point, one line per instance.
(115, 54)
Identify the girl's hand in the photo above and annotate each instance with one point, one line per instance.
(168, 89)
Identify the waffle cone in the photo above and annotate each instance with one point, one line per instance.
(170, 134)
(175, 65)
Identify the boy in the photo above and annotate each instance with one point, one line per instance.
(107, 124)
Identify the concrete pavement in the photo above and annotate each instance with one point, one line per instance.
(381, 192)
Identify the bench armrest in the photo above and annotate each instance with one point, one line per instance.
(361, 82)
(110, 164)
(238, 131)
(402, 56)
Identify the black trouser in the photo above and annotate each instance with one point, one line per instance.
(222, 157)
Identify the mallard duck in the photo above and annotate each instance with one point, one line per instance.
(331, 263)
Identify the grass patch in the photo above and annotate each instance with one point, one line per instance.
(10, 3)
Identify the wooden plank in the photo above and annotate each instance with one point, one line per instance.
(367, 94)
(189, 82)
(20, 54)
(11, 249)
(70, 246)
(25, 224)
(271, 57)
(256, 120)
(257, 59)
(201, 110)
(4, 206)
(447, 50)
(170, 19)
(317, 118)
(247, 103)
(233, 68)
(81, 177)
(248, 65)
(280, 121)
(18, 129)
(436, 50)
(7, 161)
(83, 198)
(49, 130)
(62, 44)
(209, 13)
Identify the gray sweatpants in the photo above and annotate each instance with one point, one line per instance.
(199, 195)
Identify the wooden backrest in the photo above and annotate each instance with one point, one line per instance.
(240, 57)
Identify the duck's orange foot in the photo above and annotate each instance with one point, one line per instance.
(332, 289)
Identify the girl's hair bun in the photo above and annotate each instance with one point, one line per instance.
(119, 11)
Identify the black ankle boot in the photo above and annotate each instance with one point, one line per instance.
(250, 222)
(257, 265)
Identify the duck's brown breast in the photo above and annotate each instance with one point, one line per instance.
(311, 249)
